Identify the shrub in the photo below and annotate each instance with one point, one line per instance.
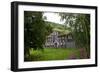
(35, 55)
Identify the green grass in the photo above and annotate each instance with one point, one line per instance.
(53, 54)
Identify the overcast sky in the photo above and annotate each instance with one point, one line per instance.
(53, 17)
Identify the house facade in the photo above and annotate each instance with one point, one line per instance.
(56, 40)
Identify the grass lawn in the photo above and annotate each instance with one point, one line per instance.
(53, 54)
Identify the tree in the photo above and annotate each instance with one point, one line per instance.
(34, 33)
(82, 30)
(35, 30)
(80, 27)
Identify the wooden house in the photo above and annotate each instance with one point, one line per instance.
(60, 39)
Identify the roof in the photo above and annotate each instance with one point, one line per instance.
(62, 31)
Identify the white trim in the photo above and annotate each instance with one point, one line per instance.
(22, 64)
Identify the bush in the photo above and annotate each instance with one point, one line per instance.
(35, 55)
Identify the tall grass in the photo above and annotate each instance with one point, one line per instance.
(53, 54)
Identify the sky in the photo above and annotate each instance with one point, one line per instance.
(53, 17)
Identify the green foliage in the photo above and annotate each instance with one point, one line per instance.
(83, 32)
(35, 54)
(48, 29)
(55, 25)
(35, 30)
(58, 28)
(80, 26)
